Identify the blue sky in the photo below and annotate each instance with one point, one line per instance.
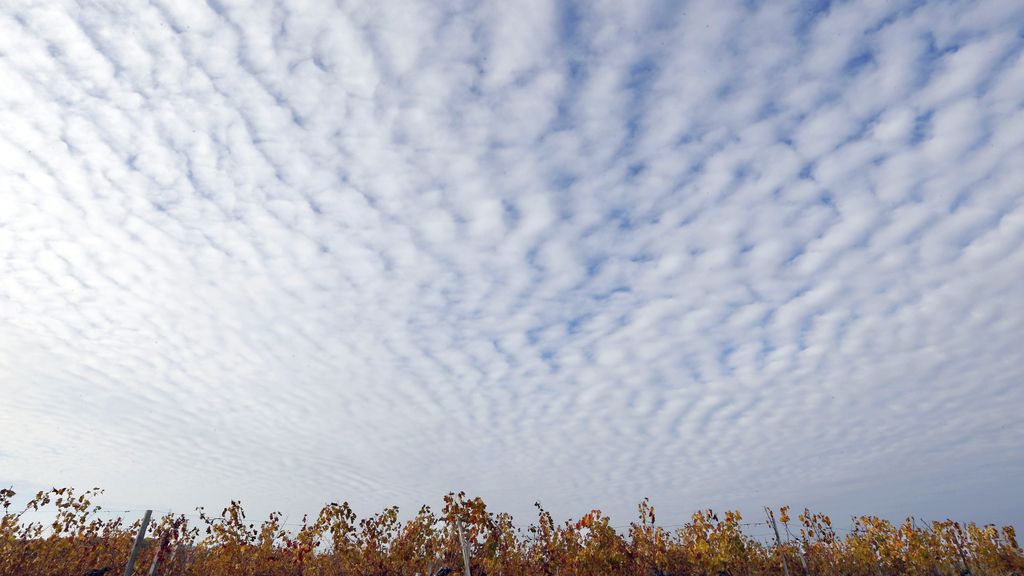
(719, 254)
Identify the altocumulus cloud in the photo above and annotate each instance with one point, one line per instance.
(715, 253)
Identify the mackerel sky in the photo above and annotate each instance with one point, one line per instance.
(715, 253)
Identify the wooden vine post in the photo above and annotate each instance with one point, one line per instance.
(778, 540)
(140, 539)
(465, 549)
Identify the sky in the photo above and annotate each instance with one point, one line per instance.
(718, 254)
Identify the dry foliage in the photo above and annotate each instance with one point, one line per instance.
(81, 538)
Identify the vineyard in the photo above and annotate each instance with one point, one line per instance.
(466, 536)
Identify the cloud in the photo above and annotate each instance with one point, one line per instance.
(576, 252)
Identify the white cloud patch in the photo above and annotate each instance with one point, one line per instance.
(576, 252)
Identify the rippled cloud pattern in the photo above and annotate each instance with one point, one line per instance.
(714, 253)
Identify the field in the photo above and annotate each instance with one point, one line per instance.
(83, 537)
